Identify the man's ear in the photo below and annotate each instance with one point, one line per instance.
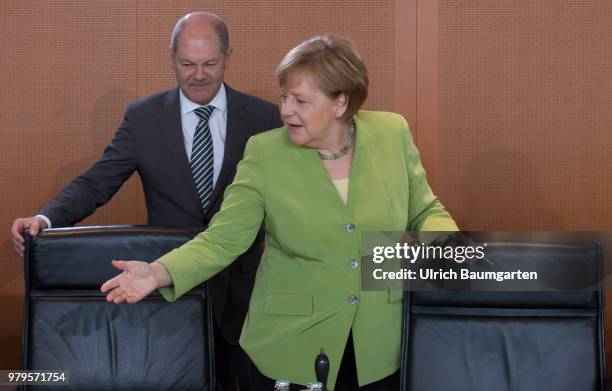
(228, 57)
(172, 56)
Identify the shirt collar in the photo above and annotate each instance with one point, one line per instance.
(219, 101)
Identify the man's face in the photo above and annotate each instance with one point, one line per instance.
(199, 66)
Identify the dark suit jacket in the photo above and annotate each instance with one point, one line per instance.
(150, 141)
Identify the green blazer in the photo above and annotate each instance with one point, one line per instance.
(307, 291)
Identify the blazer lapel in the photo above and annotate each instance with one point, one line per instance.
(237, 134)
(368, 198)
(171, 128)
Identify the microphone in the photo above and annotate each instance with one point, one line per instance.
(322, 368)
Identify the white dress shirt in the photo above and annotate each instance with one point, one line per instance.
(217, 124)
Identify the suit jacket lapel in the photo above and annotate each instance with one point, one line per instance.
(171, 128)
(237, 133)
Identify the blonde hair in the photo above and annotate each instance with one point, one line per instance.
(335, 65)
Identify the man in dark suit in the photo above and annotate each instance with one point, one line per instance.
(185, 144)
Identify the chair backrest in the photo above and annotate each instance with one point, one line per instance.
(509, 341)
(68, 325)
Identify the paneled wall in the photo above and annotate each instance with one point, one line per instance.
(525, 126)
(508, 100)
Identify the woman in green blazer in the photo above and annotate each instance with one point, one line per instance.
(331, 173)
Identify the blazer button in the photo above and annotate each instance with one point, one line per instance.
(354, 264)
(350, 228)
(352, 299)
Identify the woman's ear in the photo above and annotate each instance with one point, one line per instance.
(341, 104)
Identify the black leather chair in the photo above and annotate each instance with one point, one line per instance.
(68, 325)
(509, 341)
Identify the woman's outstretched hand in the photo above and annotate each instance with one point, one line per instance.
(136, 282)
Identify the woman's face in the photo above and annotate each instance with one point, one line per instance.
(311, 117)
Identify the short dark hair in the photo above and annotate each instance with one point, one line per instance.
(218, 24)
(335, 65)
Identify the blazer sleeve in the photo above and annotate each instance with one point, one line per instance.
(425, 211)
(99, 183)
(231, 231)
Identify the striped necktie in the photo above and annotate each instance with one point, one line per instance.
(202, 157)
